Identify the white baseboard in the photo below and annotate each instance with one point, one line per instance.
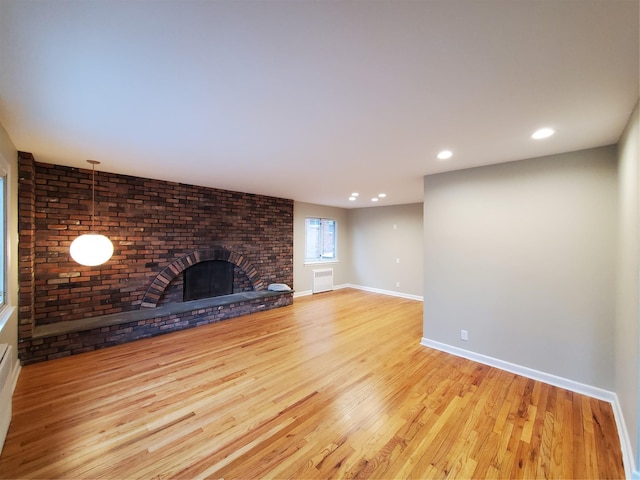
(386, 292)
(625, 441)
(595, 392)
(366, 289)
(297, 294)
(524, 371)
(16, 373)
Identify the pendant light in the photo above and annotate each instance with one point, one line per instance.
(91, 249)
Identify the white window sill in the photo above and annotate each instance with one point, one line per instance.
(5, 313)
(322, 262)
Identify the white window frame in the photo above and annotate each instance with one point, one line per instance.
(5, 308)
(3, 238)
(321, 258)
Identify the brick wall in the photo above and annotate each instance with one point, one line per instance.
(151, 224)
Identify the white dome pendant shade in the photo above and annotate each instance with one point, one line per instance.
(91, 249)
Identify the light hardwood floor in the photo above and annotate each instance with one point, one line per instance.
(334, 386)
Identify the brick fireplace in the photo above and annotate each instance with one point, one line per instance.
(158, 230)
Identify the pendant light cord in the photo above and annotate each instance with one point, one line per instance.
(93, 194)
(93, 200)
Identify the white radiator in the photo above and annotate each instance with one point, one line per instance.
(5, 391)
(322, 280)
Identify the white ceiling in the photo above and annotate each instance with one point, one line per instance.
(312, 100)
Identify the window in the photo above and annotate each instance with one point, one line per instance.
(3, 229)
(320, 240)
(5, 311)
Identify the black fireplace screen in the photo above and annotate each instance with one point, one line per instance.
(208, 279)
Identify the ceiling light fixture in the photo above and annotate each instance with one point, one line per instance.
(91, 249)
(374, 199)
(355, 194)
(352, 198)
(382, 195)
(445, 154)
(542, 133)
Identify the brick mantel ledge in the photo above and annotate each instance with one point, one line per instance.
(60, 328)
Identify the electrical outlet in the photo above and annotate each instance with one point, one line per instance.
(397, 284)
(464, 335)
(397, 260)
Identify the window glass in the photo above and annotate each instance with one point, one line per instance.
(320, 240)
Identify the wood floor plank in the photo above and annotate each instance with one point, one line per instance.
(334, 386)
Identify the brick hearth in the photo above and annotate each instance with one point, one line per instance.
(158, 229)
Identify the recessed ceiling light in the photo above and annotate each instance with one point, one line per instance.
(542, 133)
(374, 199)
(382, 195)
(355, 194)
(445, 154)
(352, 198)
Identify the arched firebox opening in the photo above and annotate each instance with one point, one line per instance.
(177, 267)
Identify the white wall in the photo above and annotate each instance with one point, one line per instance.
(627, 337)
(341, 268)
(380, 236)
(522, 256)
